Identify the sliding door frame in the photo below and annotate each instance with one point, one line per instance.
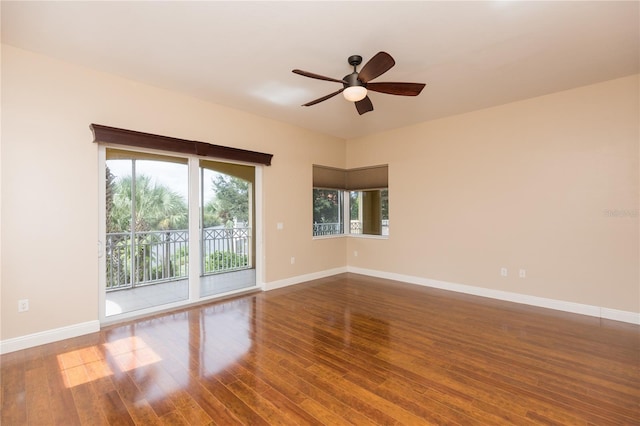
(194, 234)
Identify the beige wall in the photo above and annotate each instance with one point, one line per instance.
(50, 182)
(524, 185)
(549, 184)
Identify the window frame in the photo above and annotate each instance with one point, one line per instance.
(361, 179)
(346, 217)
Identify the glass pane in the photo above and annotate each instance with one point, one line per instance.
(147, 233)
(369, 212)
(327, 212)
(227, 224)
(384, 199)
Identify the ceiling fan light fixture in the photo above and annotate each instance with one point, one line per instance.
(355, 93)
(355, 86)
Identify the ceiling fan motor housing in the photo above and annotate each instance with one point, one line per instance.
(352, 80)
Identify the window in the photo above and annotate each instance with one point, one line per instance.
(328, 207)
(357, 197)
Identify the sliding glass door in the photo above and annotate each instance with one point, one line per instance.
(156, 227)
(227, 225)
(147, 222)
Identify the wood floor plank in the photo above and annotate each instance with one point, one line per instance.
(212, 406)
(145, 379)
(322, 413)
(115, 410)
(232, 403)
(268, 372)
(262, 406)
(298, 390)
(14, 407)
(90, 407)
(63, 409)
(192, 413)
(174, 418)
(346, 349)
(298, 413)
(362, 400)
(37, 395)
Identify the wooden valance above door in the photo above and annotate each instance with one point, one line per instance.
(106, 134)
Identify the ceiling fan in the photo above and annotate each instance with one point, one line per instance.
(356, 84)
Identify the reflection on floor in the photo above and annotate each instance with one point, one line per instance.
(342, 350)
(137, 298)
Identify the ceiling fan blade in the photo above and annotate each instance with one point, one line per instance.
(324, 98)
(316, 76)
(378, 65)
(403, 89)
(364, 105)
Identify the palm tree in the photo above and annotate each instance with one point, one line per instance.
(156, 206)
(210, 215)
(110, 179)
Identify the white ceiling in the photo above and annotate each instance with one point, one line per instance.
(240, 54)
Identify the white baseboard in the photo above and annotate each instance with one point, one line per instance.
(303, 278)
(48, 336)
(75, 330)
(622, 316)
(559, 305)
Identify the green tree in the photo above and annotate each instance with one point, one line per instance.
(156, 206)
(210, 215)
(224, 260)
(110, 180)
(384, 201)
(327, 205)
(231, 200)
(354, 205)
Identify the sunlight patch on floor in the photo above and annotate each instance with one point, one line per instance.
(88, 364)
(82, 366)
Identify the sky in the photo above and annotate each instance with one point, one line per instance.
(172, 175)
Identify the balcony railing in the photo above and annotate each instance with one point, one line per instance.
(225, 249)
(355, 228)
(159, 256)
(327, 229)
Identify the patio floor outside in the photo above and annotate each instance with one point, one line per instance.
(147, 296)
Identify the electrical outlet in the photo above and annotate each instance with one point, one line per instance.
(293, 260)
(23, 305)
(503, 272)
(522, 273)
(355, 253)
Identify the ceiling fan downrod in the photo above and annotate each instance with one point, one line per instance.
(351, 80)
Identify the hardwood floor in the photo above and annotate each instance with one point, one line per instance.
(342, 350)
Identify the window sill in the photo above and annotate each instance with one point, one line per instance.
(363, 236)
(368, 236)
(328, 237)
